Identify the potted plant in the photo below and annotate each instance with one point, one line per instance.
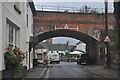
(14, 58)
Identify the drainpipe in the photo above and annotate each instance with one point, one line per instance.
(30, 47)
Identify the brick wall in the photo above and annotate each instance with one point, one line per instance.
(45, 21)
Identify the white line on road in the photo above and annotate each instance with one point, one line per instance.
(42, 73)
(47, 74)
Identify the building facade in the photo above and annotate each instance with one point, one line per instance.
(16, 24)
(81, 46)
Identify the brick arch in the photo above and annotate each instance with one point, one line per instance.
(66, 33)
(91, 43)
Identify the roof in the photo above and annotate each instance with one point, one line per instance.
(54, 47)
(42, 45)
(59, 47)
(32, 6)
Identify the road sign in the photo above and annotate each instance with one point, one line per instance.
(66, 27)
(107, 39)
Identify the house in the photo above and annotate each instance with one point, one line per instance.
(41, 51)
(80, 46)
(16, 27)
(44, 49)
(60, 48)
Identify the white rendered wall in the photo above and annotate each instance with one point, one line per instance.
(81, 46)
(1, 52)
(7, 9)
(28, 34)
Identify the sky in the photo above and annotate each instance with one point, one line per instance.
(73, 3)
(63, 40)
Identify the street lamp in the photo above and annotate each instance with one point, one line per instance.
(67, 50)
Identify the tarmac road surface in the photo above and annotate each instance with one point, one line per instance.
(68, 70)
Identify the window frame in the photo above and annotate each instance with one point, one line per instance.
(15, 34)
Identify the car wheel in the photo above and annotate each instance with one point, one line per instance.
(77, 62)
(50, 62)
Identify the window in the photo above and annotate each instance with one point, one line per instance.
(11, 31)
(12, 34)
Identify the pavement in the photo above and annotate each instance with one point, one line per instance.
(37, 72)
(101, 71)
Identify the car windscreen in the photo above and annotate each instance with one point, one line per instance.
(54, 55)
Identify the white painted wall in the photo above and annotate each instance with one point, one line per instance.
(7, 9)
(1, 55)
(41, 50)
(29, 32)
(0, 40)
(81, 46)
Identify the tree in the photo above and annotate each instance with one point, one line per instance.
(86, 9)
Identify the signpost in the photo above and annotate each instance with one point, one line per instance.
(107, 39)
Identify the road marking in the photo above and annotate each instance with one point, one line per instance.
(47, 74)
(42, 72)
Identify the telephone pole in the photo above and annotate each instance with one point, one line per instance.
(106, 33)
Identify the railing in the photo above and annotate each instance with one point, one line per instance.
(83, 9)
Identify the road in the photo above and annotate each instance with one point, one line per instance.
(68, 70)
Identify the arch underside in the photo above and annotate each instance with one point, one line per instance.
(66, 33)
(90, 42)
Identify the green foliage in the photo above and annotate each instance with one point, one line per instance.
(14, 57)
(19, 67)
(63, 56)
(113, 36)
(112, 44)
(10, 59)
(9, 56)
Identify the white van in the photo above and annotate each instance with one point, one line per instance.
(54, 57)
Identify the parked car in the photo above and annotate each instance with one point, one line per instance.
(54, 57)
(83, 59)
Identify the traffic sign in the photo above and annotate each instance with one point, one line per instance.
(66, 26)
(107, 39)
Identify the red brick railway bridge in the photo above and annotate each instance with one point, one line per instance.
(82, 26)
